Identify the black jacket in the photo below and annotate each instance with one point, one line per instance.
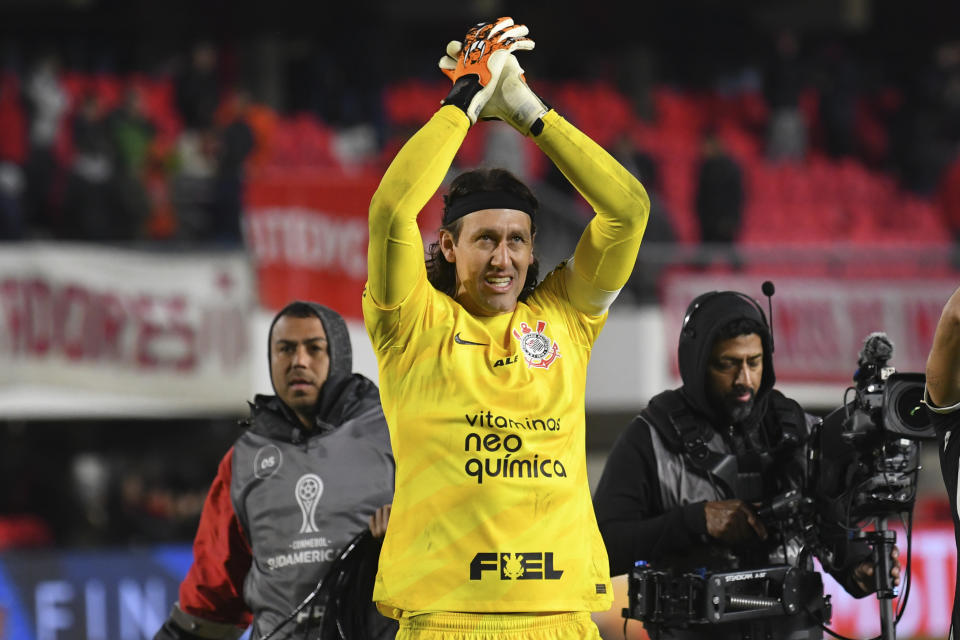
(650, 499)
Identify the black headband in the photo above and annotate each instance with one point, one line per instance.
(479, 200)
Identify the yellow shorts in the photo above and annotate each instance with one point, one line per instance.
(498, 626)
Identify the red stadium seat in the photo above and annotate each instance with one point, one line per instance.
(21, 531)
(413, 102)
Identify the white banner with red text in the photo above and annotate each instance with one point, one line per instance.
(123, 328)
(819, 324)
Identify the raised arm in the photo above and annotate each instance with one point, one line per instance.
(943, 363)
(607, 250)
(395, 251)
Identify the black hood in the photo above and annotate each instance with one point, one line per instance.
(338, 347)
(706, 315)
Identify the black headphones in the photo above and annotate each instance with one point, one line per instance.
(689, 332)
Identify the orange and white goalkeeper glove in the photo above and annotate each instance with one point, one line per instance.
(514, 101)
(475, 64)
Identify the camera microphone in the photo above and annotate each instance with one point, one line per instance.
(768, 290)
(877, 350)
(874, 355)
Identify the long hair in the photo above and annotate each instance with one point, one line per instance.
(442, 274)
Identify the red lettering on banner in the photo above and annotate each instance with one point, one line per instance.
(15, 317)
(309, 240)
(40, 320)
(72, 321)
(785, 336)
(185, 332)
(820, 324)
(805, 337)
(822, 339)
(145, 331)
(222, 334)
(114, 321)
(39, 317)
(168, 344)
(307, 235)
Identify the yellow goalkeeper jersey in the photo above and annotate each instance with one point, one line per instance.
(492, 509)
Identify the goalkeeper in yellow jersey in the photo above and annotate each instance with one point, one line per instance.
(482, 369)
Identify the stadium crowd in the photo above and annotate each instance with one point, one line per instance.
(93, 153)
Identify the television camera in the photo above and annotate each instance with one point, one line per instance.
(861, 468)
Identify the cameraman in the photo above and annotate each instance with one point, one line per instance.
(682, 483)
(943, 401)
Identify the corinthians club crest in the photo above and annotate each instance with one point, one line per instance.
(308, 491)
(538, 350)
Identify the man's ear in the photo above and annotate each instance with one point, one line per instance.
(448, 246)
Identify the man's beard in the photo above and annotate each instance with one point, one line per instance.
(737, 410)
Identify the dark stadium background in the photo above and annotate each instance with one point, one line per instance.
(91, 479)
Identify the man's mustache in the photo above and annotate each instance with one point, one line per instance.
(738, 391)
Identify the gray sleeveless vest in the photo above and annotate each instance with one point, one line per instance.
(300, 498)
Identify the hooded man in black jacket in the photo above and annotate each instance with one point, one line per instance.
(683, 481)
(312, 471)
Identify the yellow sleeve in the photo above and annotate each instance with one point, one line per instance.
(607, 250)
(395, 252)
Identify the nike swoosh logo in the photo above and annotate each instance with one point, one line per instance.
(460, 340)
